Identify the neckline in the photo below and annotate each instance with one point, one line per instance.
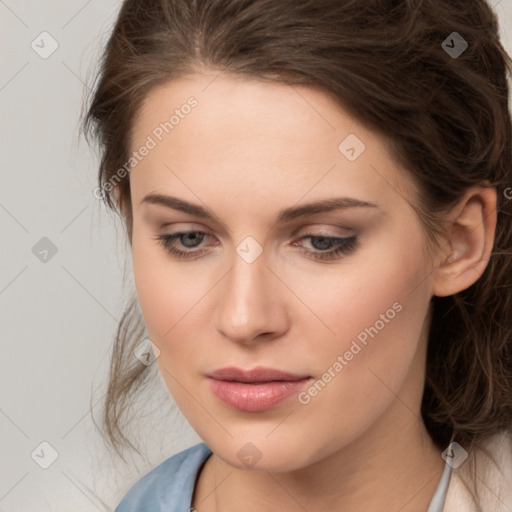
(436, 503)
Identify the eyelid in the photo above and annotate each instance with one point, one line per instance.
(183, 227)
(321, 230)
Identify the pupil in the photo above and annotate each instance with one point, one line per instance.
(191, 237)
(321, 242)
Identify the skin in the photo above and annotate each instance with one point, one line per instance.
(248, 150)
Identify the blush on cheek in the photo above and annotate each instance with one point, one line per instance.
(382, 323)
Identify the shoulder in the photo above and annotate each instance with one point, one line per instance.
(169, 485)
(491, 462)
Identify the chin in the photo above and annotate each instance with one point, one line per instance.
(255, 453)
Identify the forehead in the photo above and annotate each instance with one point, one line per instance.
(217, 133)
(252, 109)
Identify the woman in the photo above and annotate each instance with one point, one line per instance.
(317, 197)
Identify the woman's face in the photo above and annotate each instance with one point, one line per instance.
(336, 296)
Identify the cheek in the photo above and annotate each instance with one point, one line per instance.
(372, 310)
(377, 310)
(151, 283)
(170, 296)
(166, 289)
(173, 296)
(382, 288)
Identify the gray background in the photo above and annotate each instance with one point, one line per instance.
(59, 315)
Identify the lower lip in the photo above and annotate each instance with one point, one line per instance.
(255, 397)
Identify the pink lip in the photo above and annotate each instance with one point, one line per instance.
(255, 390)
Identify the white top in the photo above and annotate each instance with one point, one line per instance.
(493, 485)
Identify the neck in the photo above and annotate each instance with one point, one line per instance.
(396, 468)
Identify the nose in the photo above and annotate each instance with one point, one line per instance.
(251, 305)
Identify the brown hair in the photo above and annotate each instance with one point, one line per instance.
(446, 119)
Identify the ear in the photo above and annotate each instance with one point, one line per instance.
(471, 228)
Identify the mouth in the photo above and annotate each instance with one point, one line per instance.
(255, 390)
(255, 376)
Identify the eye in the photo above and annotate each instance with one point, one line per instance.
(328, 247)
(324, 247)
(188, 239)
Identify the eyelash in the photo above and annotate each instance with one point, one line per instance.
(346, 245)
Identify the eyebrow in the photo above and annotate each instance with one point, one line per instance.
(287, 214)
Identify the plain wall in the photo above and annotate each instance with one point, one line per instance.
(58, 315)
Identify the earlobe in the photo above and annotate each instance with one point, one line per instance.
(470, 239)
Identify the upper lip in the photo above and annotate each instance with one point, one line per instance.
(259, 374)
